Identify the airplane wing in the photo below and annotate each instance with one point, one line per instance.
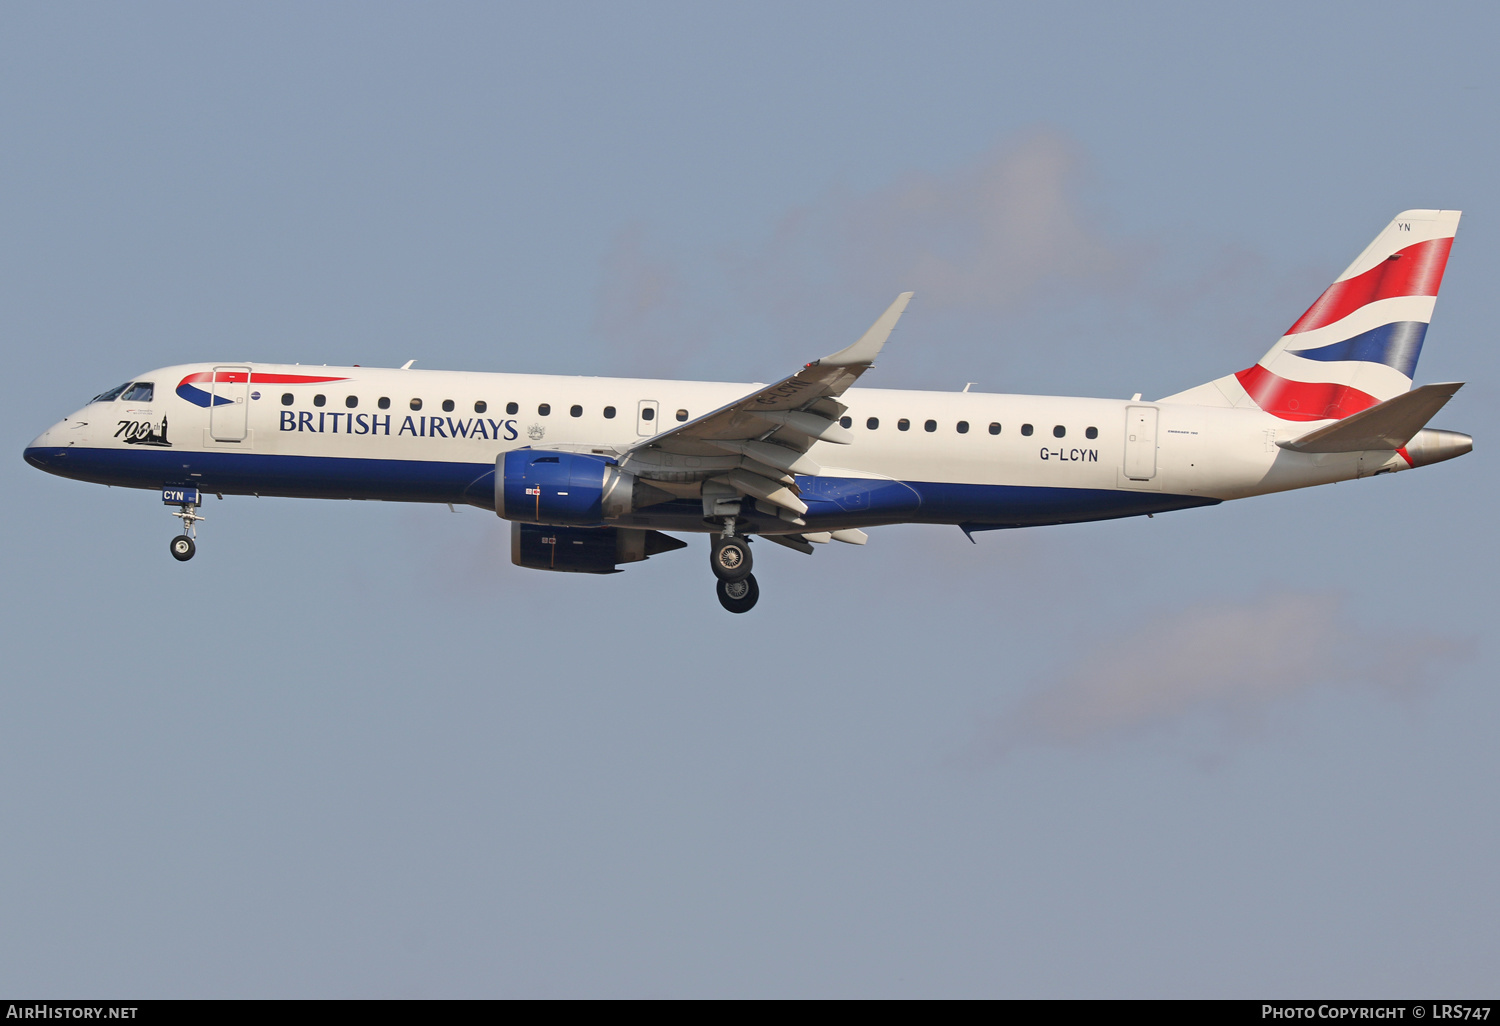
(755, 445)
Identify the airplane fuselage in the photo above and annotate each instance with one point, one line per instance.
(971, 458)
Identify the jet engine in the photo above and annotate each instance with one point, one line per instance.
(567, 488)
(585, 550)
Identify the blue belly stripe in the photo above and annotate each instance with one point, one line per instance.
(832, 502)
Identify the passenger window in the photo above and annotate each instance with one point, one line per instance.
(384, 402)
(903, 424)
(575, 411)
(111, 395)
(286, 398)
(872, 423)
(544, 410)
(1026, 430)
(1092, 432)
(994, 427)
(447, 405)
(351, 401)
(140, 392)
(845, 422)
(480, 406)
(648, 413)
(682, 415)
(963, 427)
(320, 400)
(1059, 431)
(512, 409)
(931, 425)
(416, 404)
(609, 413)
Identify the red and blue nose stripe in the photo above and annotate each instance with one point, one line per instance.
(186, 388)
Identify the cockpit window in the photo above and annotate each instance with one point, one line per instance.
(111, 395)
(140, 392)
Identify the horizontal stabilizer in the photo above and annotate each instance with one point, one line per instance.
(1387, 425)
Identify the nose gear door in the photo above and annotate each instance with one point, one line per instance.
(229, 409)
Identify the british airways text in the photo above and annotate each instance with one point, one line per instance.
(380, 424)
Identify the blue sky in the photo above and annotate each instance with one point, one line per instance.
(350, 750)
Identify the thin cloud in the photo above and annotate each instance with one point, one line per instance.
(993, 235)
(646, 306)
(1230, 662)
(997, 234)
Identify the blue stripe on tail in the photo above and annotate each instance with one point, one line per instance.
(1396, 345)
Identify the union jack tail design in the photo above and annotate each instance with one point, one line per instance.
(1358, 344)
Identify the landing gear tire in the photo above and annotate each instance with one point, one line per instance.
(739, 596)
(183, 548)
(730, 560)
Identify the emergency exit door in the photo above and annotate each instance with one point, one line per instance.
(645, 417)
(1140, 442)
(229, 409)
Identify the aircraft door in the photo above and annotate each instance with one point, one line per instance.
(646, 415)
(1140, 442)
(229, 410)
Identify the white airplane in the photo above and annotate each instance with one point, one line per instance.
(591, 471)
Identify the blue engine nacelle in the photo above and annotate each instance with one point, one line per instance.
(585, 550)
(568, 488)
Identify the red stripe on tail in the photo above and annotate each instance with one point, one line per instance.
(1302, 400)
(1414, 271)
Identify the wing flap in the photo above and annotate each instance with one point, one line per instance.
(774, 492)
(783, 459)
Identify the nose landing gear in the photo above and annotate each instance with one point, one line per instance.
(188, 499)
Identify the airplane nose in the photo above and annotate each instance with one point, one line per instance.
(44, 453)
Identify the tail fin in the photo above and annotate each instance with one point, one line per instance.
(1358, 344)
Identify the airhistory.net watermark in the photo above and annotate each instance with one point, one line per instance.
(43, 1010)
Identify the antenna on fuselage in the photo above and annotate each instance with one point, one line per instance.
(407, 364)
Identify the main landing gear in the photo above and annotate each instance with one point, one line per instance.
(730, 560)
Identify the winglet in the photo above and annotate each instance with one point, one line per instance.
(869, 345)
